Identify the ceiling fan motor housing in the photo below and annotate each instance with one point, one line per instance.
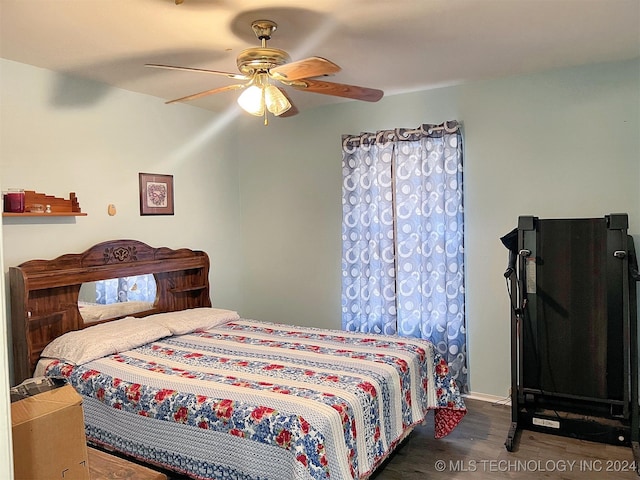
(261, 59)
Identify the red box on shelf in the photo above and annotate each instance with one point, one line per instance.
(14, 200)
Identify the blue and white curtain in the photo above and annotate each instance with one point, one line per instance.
(402, 237)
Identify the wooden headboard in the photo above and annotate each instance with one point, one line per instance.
(44, 293)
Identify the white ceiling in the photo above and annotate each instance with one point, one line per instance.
(394, 45)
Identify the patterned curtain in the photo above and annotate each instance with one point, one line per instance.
(402, 237)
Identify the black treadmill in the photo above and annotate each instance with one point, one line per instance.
(574, 337)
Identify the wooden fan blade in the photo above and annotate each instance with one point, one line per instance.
(206, 92)
(339, 90)
(235, 76)
(308, 67)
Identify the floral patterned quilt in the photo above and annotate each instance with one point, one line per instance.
(256, 400)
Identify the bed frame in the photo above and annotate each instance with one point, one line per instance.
(44, 293)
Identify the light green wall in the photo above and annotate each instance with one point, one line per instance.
(59, 135)
(264, 202)
(558, 144)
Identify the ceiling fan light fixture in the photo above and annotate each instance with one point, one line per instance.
(252, 100)
(276, 102)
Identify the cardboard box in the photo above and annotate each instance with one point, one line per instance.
(49, 441)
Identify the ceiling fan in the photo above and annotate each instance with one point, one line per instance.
(265, 70)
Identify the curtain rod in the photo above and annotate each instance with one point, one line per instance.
(384, 136)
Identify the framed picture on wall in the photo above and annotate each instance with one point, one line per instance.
(156, 194)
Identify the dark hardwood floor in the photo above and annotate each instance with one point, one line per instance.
(475, 450)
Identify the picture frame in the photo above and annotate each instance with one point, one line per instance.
(156, 194)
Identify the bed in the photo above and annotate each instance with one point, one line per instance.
(201, 391)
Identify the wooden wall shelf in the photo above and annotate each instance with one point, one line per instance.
(60, 207)
(42, 214)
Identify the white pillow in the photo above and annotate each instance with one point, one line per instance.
(82, 346)
(187, 321)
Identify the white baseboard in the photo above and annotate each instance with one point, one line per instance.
(484, 397)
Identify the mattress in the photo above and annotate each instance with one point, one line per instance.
(246, 399)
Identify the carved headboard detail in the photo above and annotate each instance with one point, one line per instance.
(120, 254)
(44, 293)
